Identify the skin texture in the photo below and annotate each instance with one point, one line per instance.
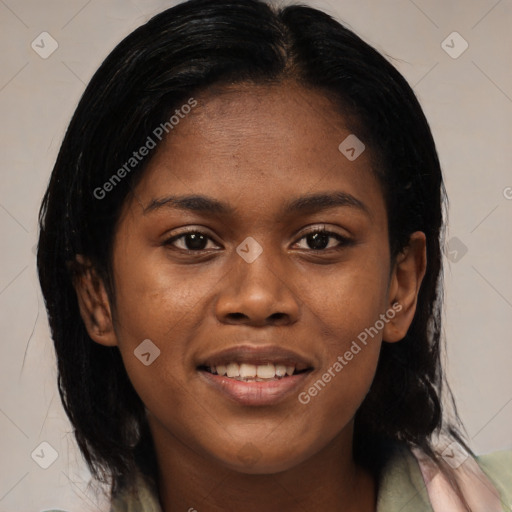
(254, 147)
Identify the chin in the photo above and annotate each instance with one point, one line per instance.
(252, 460)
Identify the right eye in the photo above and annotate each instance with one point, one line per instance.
(192, 241)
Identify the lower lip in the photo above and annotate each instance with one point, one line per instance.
(255, 393)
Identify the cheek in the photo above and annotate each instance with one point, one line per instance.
(164, 307)
(347, 315)
(337, 390)
(349, 300)
(154, 300)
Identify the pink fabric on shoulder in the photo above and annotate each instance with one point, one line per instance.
(476, 487)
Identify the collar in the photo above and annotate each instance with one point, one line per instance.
(401, 487)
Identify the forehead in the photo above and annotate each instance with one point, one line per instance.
(257, 117)
(259, 144)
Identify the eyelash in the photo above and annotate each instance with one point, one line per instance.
(344, 241)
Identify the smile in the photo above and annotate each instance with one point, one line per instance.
(252, 375)
(246, 372)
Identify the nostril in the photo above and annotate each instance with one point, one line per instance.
(236, 316)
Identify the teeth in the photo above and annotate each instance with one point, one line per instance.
(280, 370)
(248, 370)
(233, 370)
(267, 371)
(222, 369)
(253, 372)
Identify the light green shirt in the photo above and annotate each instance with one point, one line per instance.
(401, 486)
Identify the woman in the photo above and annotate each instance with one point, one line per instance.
(240, 252)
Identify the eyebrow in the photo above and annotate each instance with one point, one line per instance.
(303, 204)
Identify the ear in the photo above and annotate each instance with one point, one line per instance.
(93, 302)
(405, 282)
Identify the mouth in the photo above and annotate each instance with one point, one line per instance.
(252, 375)
(253, 372)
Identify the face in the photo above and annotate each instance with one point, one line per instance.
(256, 281)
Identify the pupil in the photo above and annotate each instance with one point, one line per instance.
(318, 240)
(195, 241)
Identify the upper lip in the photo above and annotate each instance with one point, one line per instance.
(259, 355)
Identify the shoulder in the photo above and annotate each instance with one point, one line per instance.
(499, 462)
(484, 482)
(498, 467)
(409, 481)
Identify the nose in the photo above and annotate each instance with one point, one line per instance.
(258, 293)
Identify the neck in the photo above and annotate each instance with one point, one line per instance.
(328, 480)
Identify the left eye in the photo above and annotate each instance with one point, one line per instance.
(319, 239)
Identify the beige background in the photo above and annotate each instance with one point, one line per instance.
(468, 101)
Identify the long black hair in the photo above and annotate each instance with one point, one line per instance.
(157, 68)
